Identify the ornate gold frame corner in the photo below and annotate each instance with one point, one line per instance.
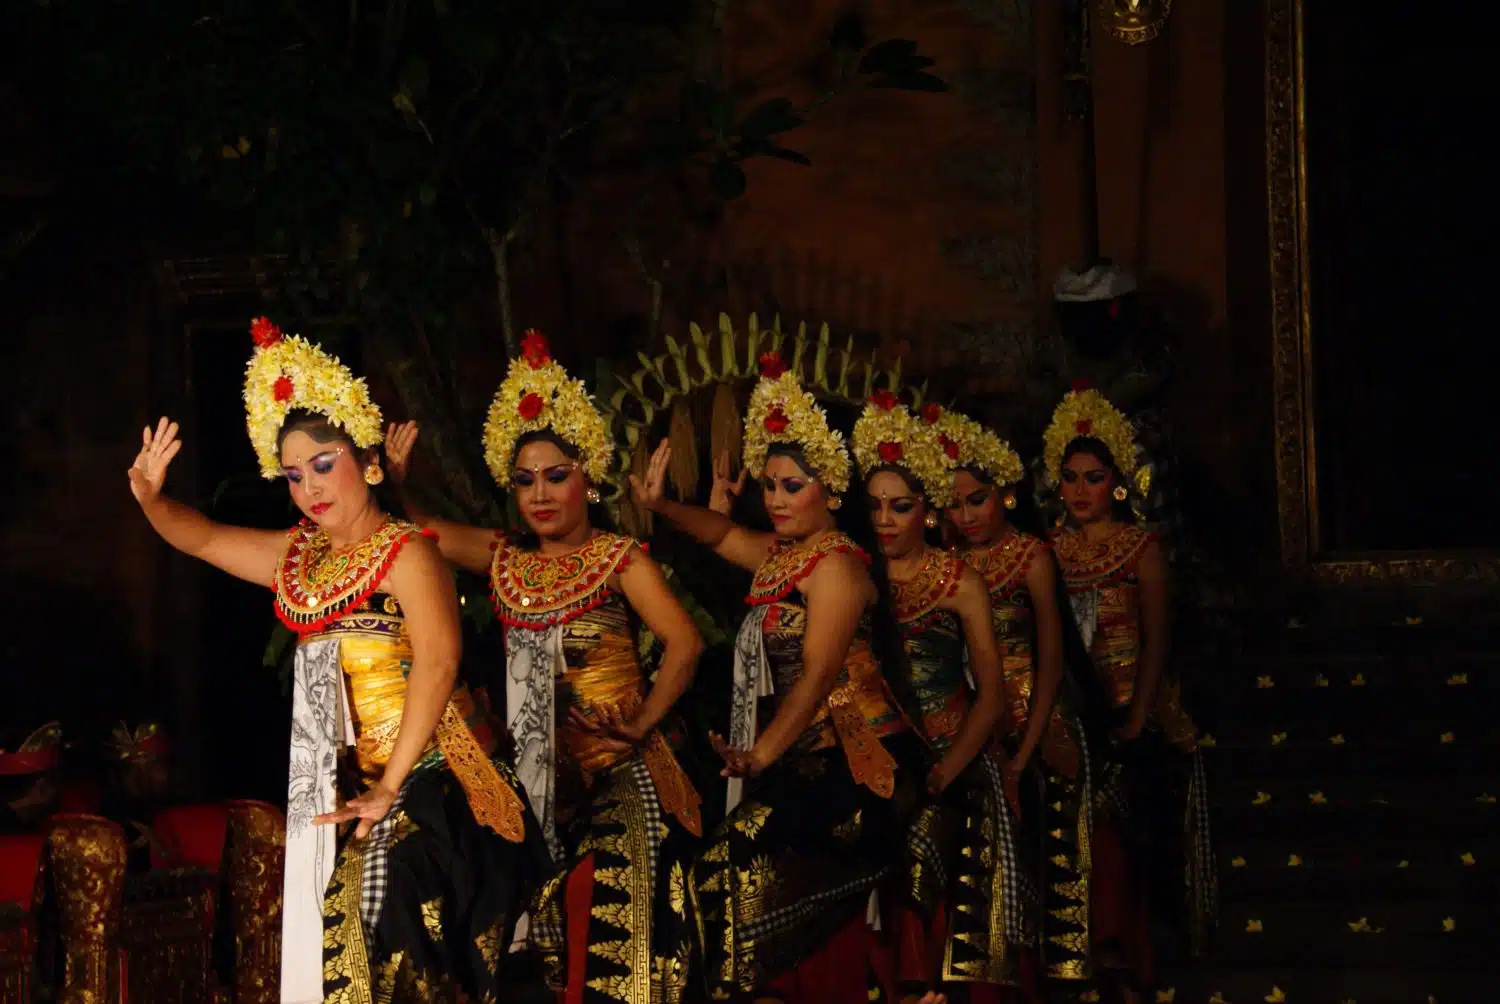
(1303, 553)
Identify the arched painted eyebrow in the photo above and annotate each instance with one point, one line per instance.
(331, 452)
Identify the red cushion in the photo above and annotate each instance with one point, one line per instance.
(190, 836)
(20, 861)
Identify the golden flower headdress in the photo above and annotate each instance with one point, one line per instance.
(287, 373)
(888, 434)
(538, 394)
(970, 444)
(1086, 413)
(782, 412)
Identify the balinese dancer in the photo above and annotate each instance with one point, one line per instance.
(594, 737)
(962, 872)
(1116, 581)
(419, 902)
(823, 767)
(1042, 726)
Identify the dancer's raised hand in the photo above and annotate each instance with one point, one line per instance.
(149, 469)
(651, 489)
(400, 440)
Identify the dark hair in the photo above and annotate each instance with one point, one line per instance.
(1121, 510)
(321, 429)
(885, 636)
(598, 514)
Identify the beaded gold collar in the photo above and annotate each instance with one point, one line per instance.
(315, 584)
(934, 582)
(534, 590)
(1086, 564)
(789, 564)
(1004, 564)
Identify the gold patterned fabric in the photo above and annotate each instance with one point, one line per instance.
(628, 813)
(411, 908)
(796, 860)
(961, 848)
(1159, 780)
(1055, 802)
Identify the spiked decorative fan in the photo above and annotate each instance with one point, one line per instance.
(833, 373)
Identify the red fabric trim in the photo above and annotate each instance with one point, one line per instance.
(785, 587)
(578, 900)
(33, 762)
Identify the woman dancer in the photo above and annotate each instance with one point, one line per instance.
(419, 904)
(1116, 581)
(1042, 727)
(823, 768)
(961, 872)
(595, 739)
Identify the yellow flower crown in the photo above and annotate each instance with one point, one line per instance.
(287, 373)
(972, 445)
(538, 394)
(782, 412)
(1086, 413)
(888, 434)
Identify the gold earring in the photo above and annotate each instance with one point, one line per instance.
(374, 475)
(1120, 493)
(1010, 500)
(592, 495)
(931, 521)
(834, 502)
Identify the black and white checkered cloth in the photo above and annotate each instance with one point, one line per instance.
(376, 878)
(1014, 884)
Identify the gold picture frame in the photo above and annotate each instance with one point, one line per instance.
(1303, 549)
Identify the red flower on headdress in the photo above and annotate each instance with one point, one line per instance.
(1083, 426)
(931, 412)
(771, 365)
(264, 333)
(949, 446)
(884, 400)
(1079, 386)
(776, 422)
(530, 407)
(891, 453)
(283, 388)
(535, 350)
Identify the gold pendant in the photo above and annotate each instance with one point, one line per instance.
(1134, 22)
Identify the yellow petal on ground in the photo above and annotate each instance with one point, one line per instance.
(1276, 996)
(1237, 862)
(1277, 738)
(1320, 680)
(1445, 738)
(1358, 680)
(1467, 859)
(1294, 862)
(1458, 680)
(1450, 925)
(1317, 798)
(1261, 798)
(1337, 740)
(1254, 927)
(1264, 683)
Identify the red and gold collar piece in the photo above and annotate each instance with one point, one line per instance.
(534, 590)
(789, 564)
(315, 584)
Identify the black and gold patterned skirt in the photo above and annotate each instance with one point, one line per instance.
(639, 937)
(794, 863)
(422, 909)
(962, 850)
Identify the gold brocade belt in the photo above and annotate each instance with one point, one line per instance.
(945, 722)
(612, 676)
(1058, 749)
(494, 802)
(870, 763)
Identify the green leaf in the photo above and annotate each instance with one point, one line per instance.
(911, 81)
(727, 179)
(771, 117)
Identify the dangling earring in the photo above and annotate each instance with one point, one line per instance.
(930, 521)
(834, 502)
(592, 495)
(374, 475)
(1010, 500)
(1120, 493)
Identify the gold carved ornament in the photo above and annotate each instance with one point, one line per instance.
(536, 591)
(723, 359)
(935, 581)
(1134, 22)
